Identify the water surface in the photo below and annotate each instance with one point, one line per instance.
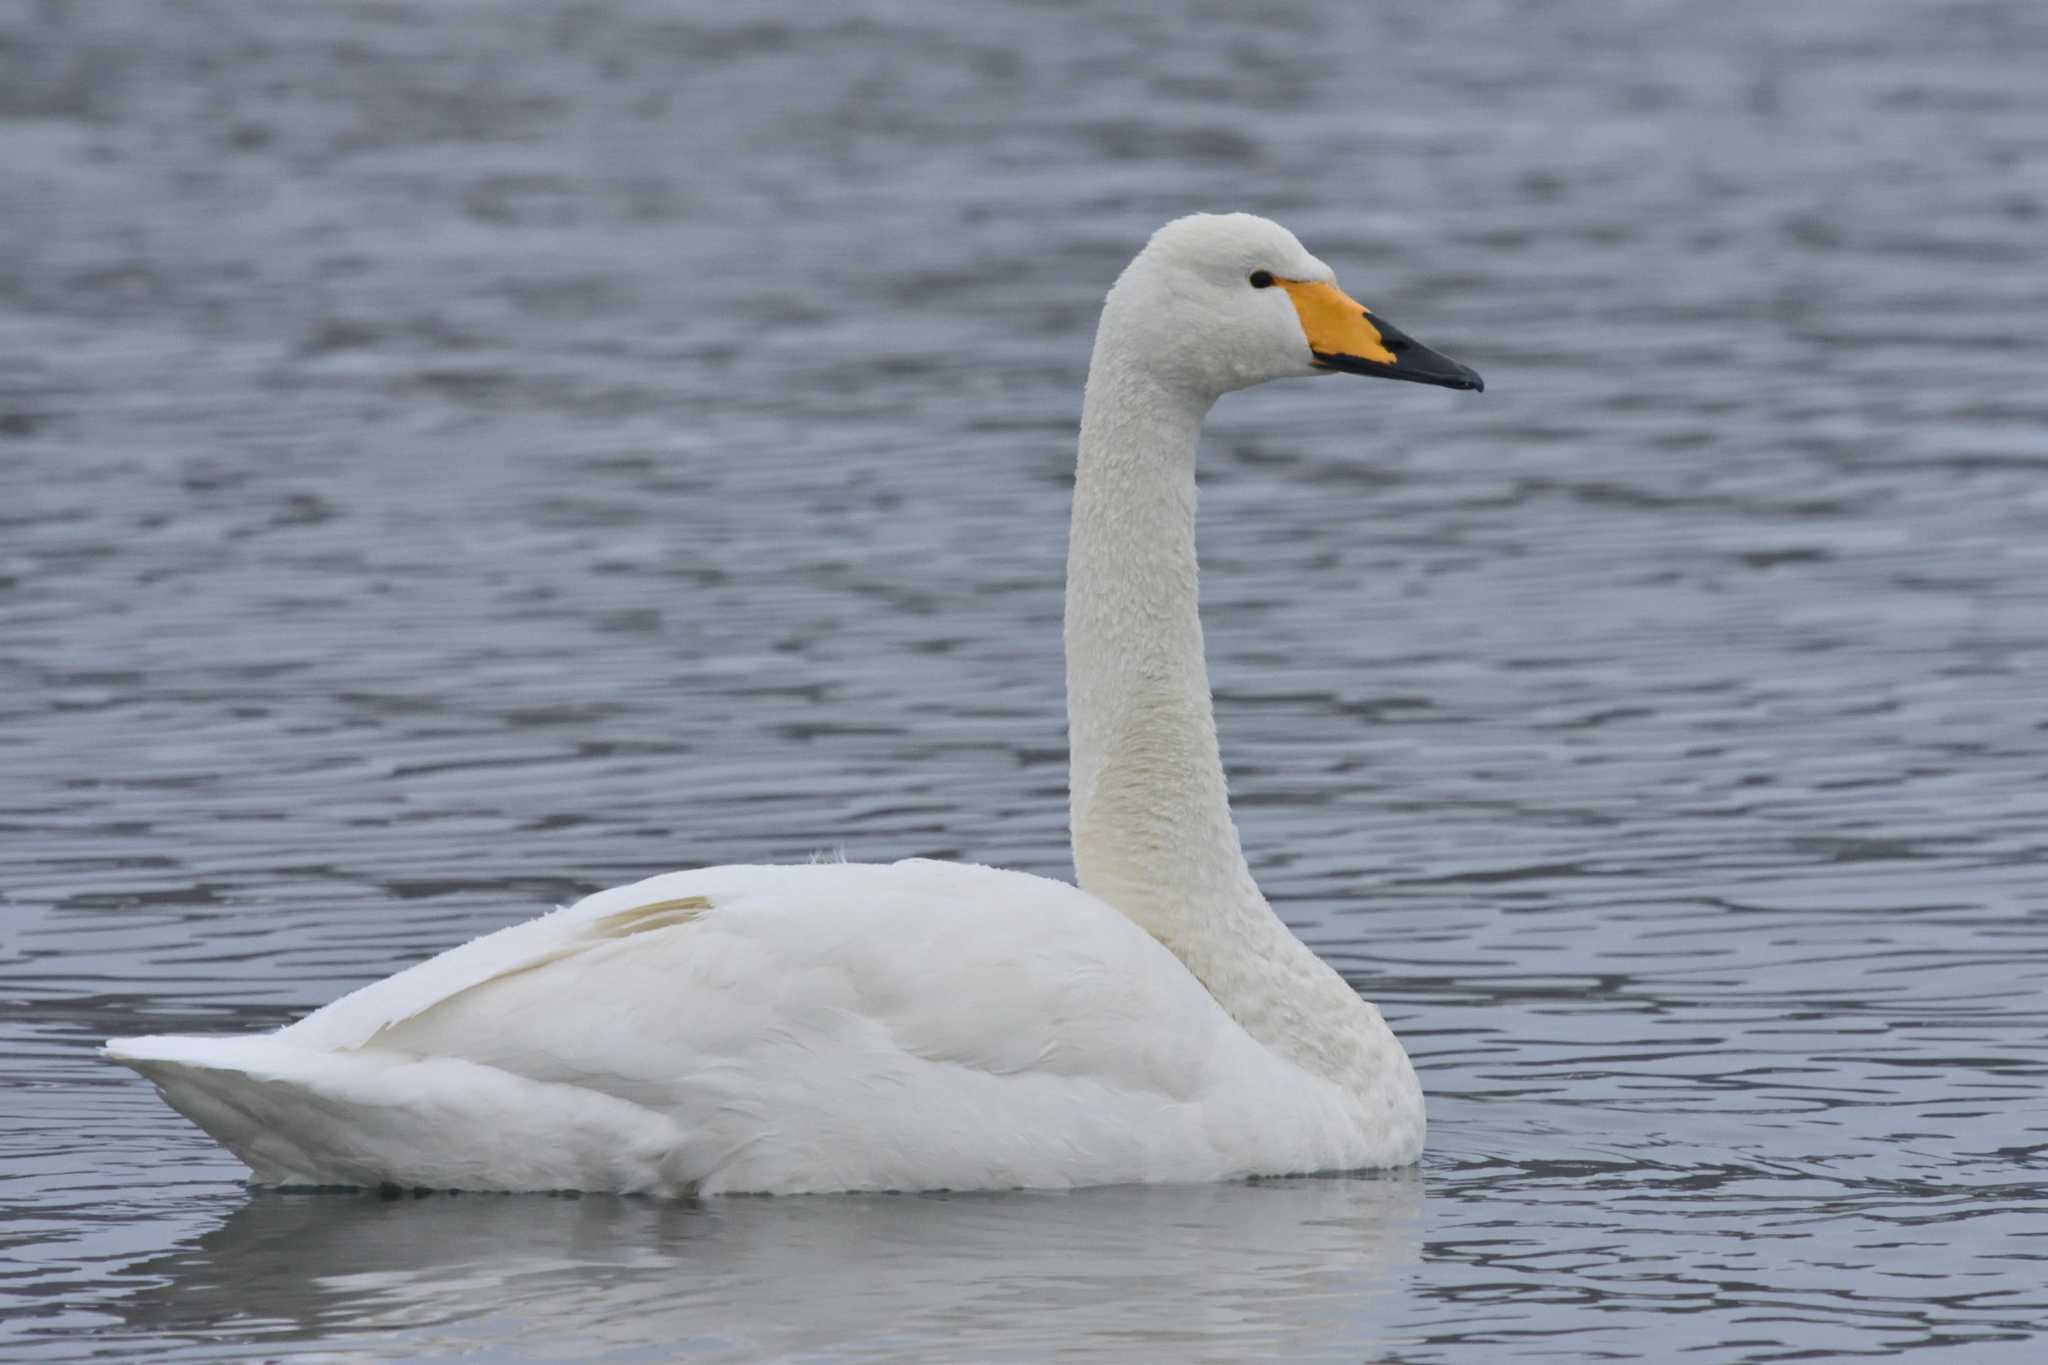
(456, 457)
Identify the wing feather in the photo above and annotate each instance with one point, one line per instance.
(363, 1016)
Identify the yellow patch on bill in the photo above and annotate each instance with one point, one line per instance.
(1335, 323)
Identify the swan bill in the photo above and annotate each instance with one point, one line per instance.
(1344, 335)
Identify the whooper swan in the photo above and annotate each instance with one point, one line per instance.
(918, 1025)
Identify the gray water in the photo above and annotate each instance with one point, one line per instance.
(454, 457)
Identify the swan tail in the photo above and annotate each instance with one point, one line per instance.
(300, 1117)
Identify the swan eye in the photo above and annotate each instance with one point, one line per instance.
(1262, 279)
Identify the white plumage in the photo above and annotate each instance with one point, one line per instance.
(917, 1025)
(837, 1026)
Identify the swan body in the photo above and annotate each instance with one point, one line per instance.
(915, 1025)
(822, 1027)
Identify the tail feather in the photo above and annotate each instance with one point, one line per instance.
(313, 1116)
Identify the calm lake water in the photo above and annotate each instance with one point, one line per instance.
(454, 457)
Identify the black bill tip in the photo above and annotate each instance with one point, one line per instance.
(1413, 361)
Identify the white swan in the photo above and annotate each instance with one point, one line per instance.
(919, 1025)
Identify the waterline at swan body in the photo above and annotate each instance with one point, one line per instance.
(917, 1025)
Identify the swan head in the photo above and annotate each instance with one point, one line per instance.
(1217, 302)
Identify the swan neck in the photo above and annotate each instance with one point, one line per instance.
(1151, 823)
(1150, 811)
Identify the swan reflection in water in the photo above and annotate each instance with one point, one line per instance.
(1295, 1268)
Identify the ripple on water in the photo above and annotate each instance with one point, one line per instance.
(419, 506)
